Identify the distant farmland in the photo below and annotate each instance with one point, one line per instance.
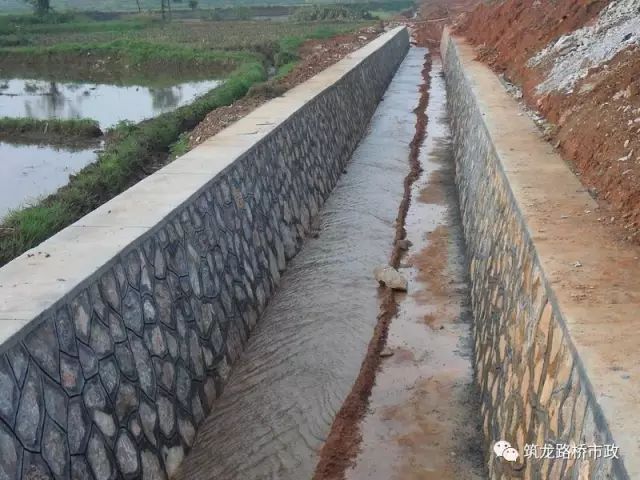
(12, 6)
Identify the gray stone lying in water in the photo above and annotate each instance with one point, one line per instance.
(390, 277)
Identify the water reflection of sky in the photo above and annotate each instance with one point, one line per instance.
(108, 104)
(29, 172)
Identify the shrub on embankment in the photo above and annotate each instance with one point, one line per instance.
(31, 128)
(132, 153)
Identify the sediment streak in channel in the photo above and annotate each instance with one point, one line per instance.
(306, 351)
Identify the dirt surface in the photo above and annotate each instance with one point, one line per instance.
(316, 55)
(431, 18)
(596, 124)
(343, 442)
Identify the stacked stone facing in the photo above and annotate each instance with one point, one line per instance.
(113, 379)
(533, 385)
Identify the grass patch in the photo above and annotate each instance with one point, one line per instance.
(331, 12)
(137, 52)
(124, 62)
(132, 151)
(208, 35)
(285, 69)
(181, 146)
(76, 27)
(286, 55)
(74, 129)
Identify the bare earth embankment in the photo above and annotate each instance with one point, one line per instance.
(577, 63)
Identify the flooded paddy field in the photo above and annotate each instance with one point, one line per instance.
(144, 82)
(108, 104)
(117, 71)
(33, 171)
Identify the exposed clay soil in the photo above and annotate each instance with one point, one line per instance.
(596, 127)
(433, 16)
(316, 55)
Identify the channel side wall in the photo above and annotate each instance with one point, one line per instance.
(118, 333)
(556, 298)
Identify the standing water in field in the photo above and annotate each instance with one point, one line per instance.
(32, 171)
(108, 104)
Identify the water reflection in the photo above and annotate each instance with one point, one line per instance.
(30, 171)
(163, 98)
(108, 104)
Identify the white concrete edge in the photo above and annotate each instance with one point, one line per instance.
(45, 275)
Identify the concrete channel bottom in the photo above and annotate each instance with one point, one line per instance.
(306, 351)
(423, 420)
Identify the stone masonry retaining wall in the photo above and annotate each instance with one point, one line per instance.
(547, 372)
(118, 333)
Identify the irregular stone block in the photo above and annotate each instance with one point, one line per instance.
(126, 454)
(151, 469)
(126, 400)
(144, 367)
(56, 402)
(10, 454)
(31, 410)
(9, 392)
(78, 426)
(54, 449)
(99, 458)
(42, 344)
(88, 360)
(81, 313)
(132, 312)
(66, 331)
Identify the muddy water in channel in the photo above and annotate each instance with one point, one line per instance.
(306, 351)
(423, 420)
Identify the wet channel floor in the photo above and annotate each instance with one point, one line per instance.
(306, 351)
(423, 420)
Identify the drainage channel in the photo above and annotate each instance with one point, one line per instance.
(423, 417)
(306, 351)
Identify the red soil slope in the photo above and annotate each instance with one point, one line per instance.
(596, 127)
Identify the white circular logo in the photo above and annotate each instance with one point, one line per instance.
(510, 454)
(500, 446)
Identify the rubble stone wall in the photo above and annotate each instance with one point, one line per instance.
(534, 387)
(113, 378)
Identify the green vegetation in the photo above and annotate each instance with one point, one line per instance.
(286, 54)
(147, 5)
(133, 151)
(40, 129)
(315, 13)
(181, 146)
(133, 52)
(74, 46)
(204, 34)
(39, 6)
